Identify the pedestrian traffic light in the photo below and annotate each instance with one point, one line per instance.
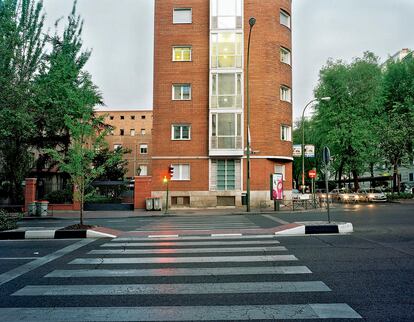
(170, 172)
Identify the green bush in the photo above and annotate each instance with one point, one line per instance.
(401, 195)
(59, 196)
(8, 221)
(101, 199)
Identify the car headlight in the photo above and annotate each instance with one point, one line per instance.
(346, 197)
(356, 197)
(371, 196)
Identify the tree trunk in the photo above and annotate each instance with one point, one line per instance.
(355, 177)
(340, 170)
(395, 181)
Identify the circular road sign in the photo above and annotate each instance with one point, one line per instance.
(312, 174)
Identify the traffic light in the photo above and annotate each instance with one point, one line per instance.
(170, 172)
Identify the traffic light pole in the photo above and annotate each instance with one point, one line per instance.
(166, 202)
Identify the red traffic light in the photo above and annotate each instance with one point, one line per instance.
(170, 172)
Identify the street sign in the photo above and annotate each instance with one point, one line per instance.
(297, 150)
(309, 151)
(312, 174)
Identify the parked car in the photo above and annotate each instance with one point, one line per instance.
(321, 195)
(297, 195)
(344, 195)
(372, 195)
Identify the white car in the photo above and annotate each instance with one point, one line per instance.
(372, 195)
(344, 195)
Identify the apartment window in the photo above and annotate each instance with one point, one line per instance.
(285, 94)
(285, 55)
(226, 50)
(181, 132)
(132, 117)
(181, 92)
(132, 132)
(111, 117)
(143, 131)
(142, 117)
(143, 170)
(284, 18)
(226, 90)
(117, 146)
(226, 14)
(182, 15)
(181, 172)
(411, 176)
(121, 117)
(280, 169)
(121, 131)
(182, 53)
(285, 133)
(226, 131)
(143, 148)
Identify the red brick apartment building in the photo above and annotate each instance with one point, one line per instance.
(132, 130)
(200, 103)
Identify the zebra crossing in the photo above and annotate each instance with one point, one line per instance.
(180, 279)
(204, 223)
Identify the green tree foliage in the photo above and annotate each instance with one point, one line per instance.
(87, 139)
(345, 123)
(21, 52)
(396, 126)
(64, 88)
(113, 163)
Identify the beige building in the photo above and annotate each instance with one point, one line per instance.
(132, 130)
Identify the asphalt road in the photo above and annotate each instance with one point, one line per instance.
(368, 274)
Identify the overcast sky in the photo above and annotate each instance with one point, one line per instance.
(120, 33)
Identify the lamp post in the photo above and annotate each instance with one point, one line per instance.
(252, 21)
(327, 98)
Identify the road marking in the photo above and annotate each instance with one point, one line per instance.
(190, 243)
(182, 313)
(170, 260)
(193, 288)
(216, 271)
(226, 236)
(17, 258)
(161, 236)
(23, 269)
(276, 219)
(171, 251)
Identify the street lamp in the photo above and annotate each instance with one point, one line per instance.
(327, 98)
(252, 21)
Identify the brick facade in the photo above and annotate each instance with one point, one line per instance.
(268, 111)
(141, 122)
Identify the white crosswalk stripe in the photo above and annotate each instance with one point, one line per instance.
(238, 266)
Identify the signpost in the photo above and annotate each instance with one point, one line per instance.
(312, 175)
(326, 160)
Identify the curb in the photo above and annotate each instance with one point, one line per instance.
(54, 234)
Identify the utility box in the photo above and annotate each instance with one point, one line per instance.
(244, 199)
(157, 205)
(149, 204)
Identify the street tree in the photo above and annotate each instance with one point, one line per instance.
(345, 123)
(22, 45)
(397, 123)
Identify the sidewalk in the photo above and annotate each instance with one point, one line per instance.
(172, 212)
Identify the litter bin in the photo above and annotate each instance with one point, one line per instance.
(157, 204)
(244, 199)
(42, 208)
(31, 209)
(149, 204)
